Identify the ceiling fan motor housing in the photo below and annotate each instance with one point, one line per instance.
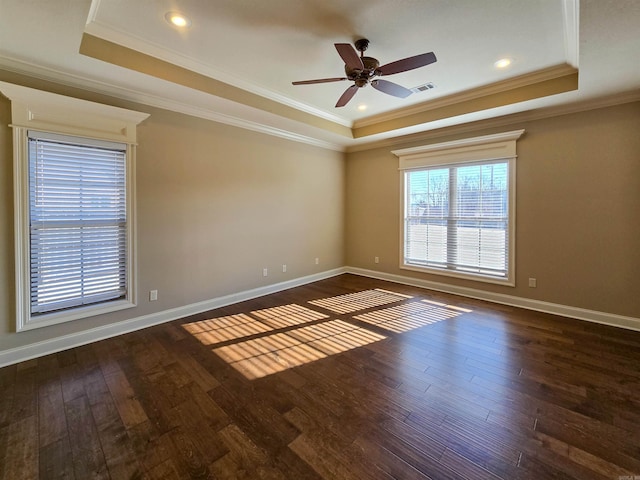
(362, 77)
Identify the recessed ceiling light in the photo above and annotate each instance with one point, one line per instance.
(362, 107)
(502, 63)
(177, 19)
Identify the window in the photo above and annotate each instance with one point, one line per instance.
(77, 222)
(74, 206)
(459, 208)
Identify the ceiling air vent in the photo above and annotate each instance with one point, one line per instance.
(423, 88)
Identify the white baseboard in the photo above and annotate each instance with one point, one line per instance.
(630, 323)
(57, 344)
(46, 347)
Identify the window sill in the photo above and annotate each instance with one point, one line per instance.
(507, 282)
(55, 318)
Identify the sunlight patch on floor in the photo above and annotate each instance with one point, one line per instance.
(234, 327)
(287, 315)
(271, 354)
(352, 302)
(281, 339)
(409, 316)
(224, 329)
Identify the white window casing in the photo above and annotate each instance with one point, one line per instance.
(458, 208)
(106, 138)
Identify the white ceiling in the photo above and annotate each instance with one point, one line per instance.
(262, 46)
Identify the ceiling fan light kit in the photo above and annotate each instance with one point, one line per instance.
(363, 71)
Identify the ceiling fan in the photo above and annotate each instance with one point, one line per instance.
(364, 70)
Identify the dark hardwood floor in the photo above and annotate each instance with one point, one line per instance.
(347, 378)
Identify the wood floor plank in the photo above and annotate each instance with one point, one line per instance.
(20, 460)
(193, 423)
(151, 447)
(465, 467)
(125, 400)
(7, 393)
(404, 447)
(88, 457)
(187, 457)
(52, 425)
(56, 460)
(71, 380)
(247, 456)
(24, 392)
(164, 471)
(591, 463)
(389, 464)
(327, 463)
(451, 388)
(197, 372)
(263, 424)
(119, 454)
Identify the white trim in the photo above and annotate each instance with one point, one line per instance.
(611, 319)
(46, 347)
(426, 133)
(137, 96)
(53, 345)
(21, 224)
(50, 112)
(253, 126)
(416, 133)
(93, 11)
(486, 147)
(499, 146)
(571, 19)
(478, 277)
(532, 78)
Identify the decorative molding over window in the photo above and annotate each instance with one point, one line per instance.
(42, 114)
(487, 147)
(50, 112)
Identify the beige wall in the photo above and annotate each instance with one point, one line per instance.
(215, 205)
(577, 201)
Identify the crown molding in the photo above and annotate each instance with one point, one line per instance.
(76, 81)
(502, 120)
(525, 80)
(103, 88)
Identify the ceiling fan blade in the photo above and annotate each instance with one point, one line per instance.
(407, 64)
(347, 95)
(349, 56)
(391, 88)
(320, 80)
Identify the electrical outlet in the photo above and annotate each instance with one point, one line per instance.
(317, 261)
(284, 268)
(533, 283)
(376, 259)
(153, 295)
(265, 272)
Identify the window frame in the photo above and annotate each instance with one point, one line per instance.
(476, 150)
(36, 110)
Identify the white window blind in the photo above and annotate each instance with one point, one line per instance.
(457, 218)
(77, 221)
